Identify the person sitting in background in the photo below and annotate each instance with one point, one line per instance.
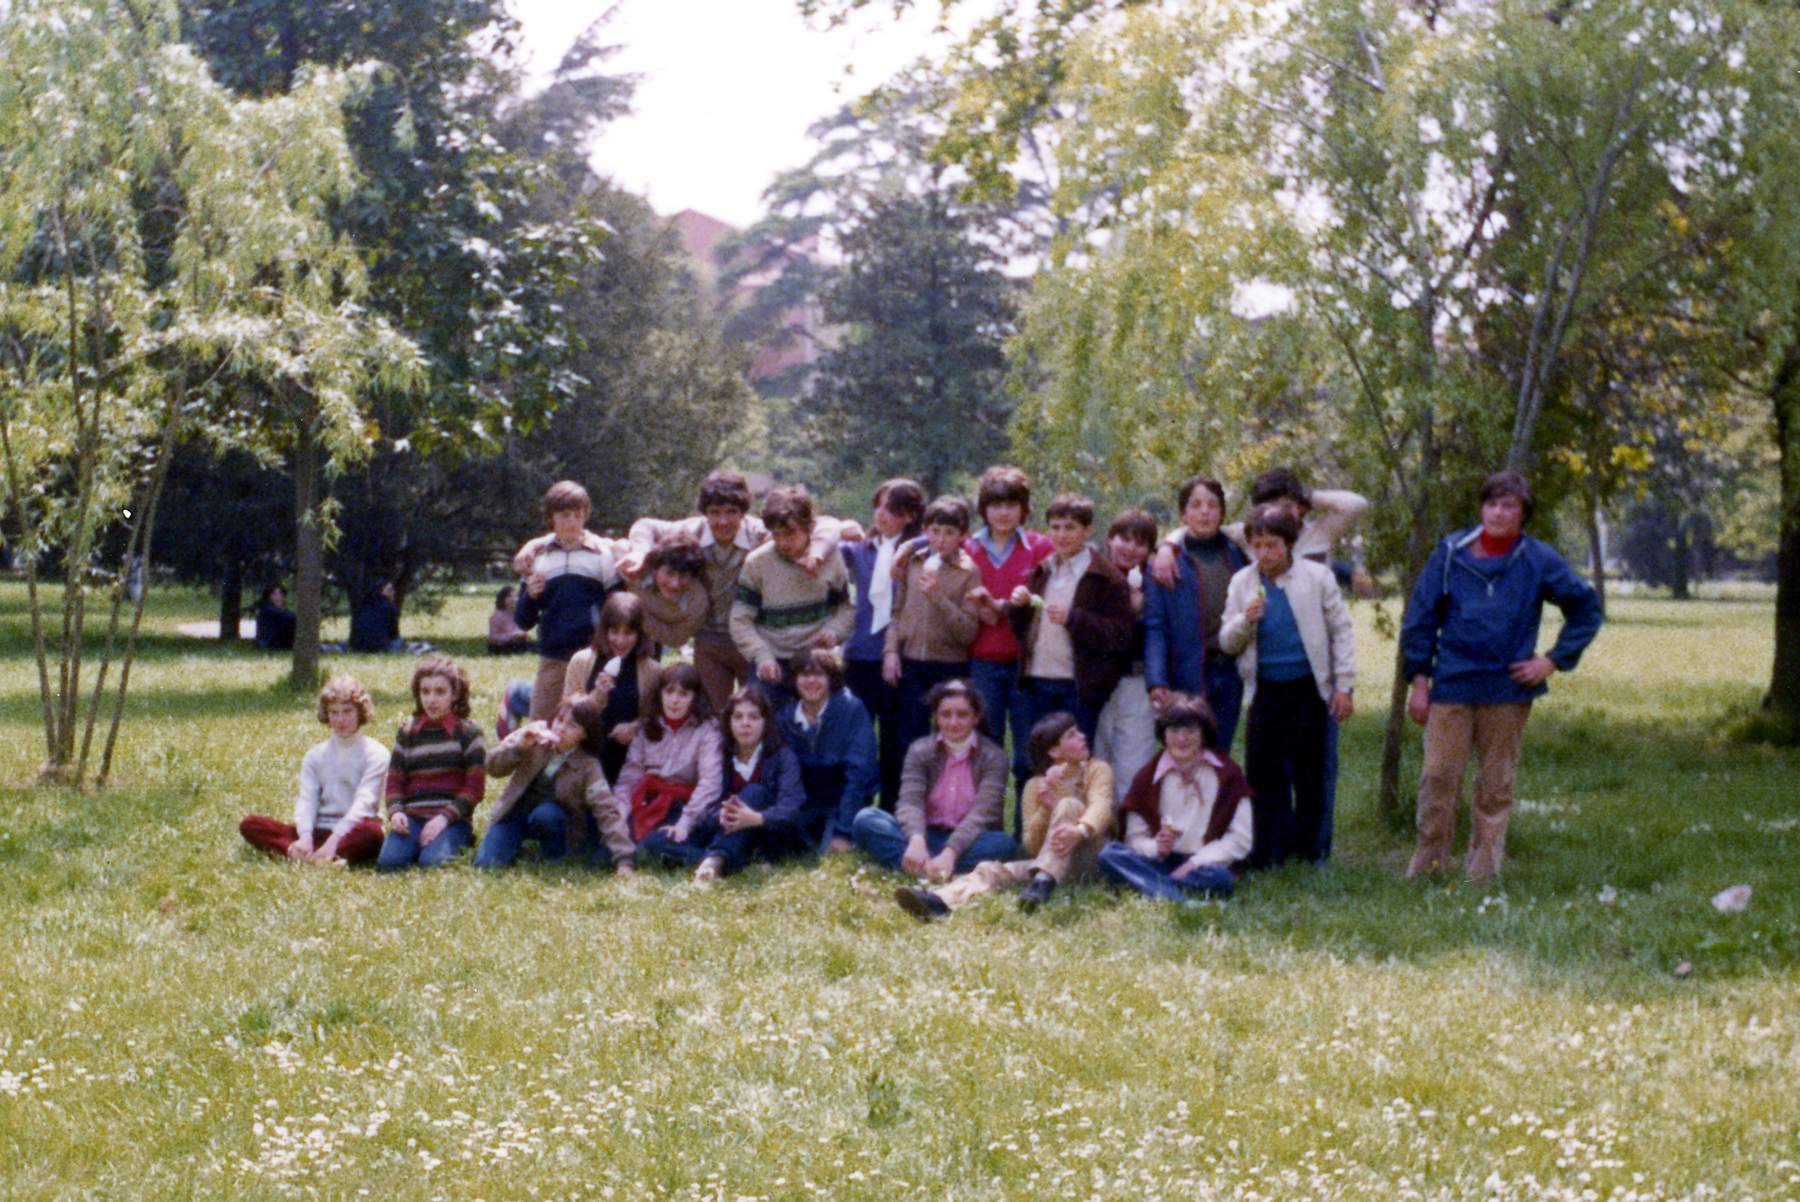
(556, 794)
(1187, 814)
(504, 636)
(829, 730)
(1068, 816)
(340, 787)
(275, 622)
(375, 622)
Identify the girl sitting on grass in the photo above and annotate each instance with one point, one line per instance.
(764, 799)
(340, 787)
(435, 773)
(556, 794)
(674, 767)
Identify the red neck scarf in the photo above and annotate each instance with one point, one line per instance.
(1493, 547)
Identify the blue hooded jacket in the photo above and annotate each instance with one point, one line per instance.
(1469, 619)
(1174, 637)
(843, 741)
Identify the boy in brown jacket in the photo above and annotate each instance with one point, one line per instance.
(934, 620)
(556, 787)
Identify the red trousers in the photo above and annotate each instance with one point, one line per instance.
(360, 844)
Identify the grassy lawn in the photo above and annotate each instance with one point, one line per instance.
(180, 1019)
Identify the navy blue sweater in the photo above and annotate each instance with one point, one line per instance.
(1471, 619)
(576, 586)
(842, 740)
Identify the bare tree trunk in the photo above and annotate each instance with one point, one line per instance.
(309, 553)
(1784, 685)
(1596, 544)
(28, 552)
(137, 615)
(231, 596)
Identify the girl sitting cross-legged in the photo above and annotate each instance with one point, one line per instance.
(952, 790)
(764, 800)
(1187, 813)
(556, 793)
(435, 773)
(834, 740)
(340, 787)
(674, 768)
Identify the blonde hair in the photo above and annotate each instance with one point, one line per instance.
(346, 690)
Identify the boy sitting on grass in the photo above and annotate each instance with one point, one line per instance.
(1187, 814)
(784, 604)
(1068, 816)
(435, 772)
(340, 787)
(556, 792)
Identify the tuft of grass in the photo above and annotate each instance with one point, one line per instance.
(180, 1018)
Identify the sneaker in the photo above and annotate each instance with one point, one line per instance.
(922, 904)
(1037, 892)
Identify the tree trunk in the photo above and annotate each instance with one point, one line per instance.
(309, 554)
(1681, 556)
(1784, 685)
(1418, 550)
(231, 596)
(1596, 547)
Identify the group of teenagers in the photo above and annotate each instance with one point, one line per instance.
(843, 689)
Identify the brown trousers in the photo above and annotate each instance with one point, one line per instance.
(993, 876)
(721, 666)
(547, 689)
(1493, 733)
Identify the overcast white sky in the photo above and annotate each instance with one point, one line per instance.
(727, 89)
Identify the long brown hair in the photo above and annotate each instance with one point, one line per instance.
(683, 675)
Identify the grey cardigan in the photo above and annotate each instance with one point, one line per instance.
(925, 763)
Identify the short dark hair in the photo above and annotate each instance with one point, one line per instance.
(943, 690)
(1046, 733)
(1074, 506)
(1136, 525)
(729, 489)
(1270, 518)
(442, 665)
(679, 554)
(1003, 482)
(902, 495)
(752, 695)
(1187, 710)
(565, 496)
(504, 597)
(819, 660)
(787, 507)
(683, 675)
(1509, 484)
(1188, 486)
(947, 511)
(1280, 484)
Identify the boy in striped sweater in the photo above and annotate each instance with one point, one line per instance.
(435, 772)
(782, 608)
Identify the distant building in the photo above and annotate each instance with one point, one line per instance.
(700, 236)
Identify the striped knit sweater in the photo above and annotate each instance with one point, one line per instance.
(780, 607)
(436, 768)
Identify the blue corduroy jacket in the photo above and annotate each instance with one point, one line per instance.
(1469, 620)
(1174, 637)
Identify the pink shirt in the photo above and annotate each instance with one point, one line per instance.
(952, 795)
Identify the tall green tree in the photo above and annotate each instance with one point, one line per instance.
(155, 235)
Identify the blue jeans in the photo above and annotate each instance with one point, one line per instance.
(1225, 694)
(735, 848)
(1156, 878)
(880, 837)
(403, 851)
(1005, 703)
(546, 823)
